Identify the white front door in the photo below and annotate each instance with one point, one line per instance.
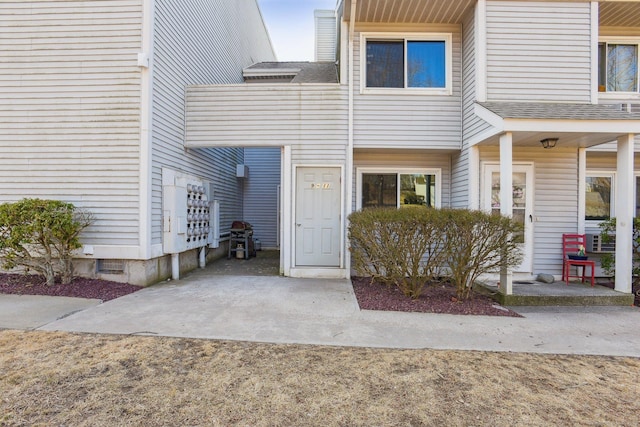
(522, 205)
(318, 217)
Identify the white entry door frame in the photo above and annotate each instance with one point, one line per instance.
(317, 228)
(523, 199)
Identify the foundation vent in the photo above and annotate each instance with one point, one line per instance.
(111, 266)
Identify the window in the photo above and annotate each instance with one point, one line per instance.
(618, 66)
(598, 197)
(389, 189)
(418, 61)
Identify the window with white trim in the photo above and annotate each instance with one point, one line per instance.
(598, 196)
(417, 61)
(618, 66)
(386, 188)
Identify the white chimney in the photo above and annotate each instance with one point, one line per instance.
(325, 31)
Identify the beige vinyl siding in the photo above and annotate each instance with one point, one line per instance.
(555, 206)
(199, 42)
(405, 159)
(311, 118)
(411, 121)
(70, 109)
(538, 51)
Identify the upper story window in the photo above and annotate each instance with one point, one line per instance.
(618, 66)
(418, 61)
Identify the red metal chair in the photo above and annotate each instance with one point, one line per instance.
(571, 244)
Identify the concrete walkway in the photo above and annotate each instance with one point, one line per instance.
(309, 311)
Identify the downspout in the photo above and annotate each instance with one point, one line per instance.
(145, 62)
(349, 153)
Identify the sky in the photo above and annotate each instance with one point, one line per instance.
(291, 26)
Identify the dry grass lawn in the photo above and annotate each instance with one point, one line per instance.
(98, 380)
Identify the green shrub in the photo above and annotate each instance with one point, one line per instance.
(401, 247)
(411, 246)
(607, 232)
(41, 235)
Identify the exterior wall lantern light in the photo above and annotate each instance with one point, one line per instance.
(549, 142)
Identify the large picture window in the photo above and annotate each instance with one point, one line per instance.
(618, 67)
(419, 61)
(390, 189)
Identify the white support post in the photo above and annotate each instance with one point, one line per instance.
(202, 260)
(506, 199)
(175, 266)
(582, 183)
(474, 177)
(287, 191)
(624, 214)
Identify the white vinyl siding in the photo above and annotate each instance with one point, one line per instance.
(325, 35)
(261, 193)
(411, 120)
(200, 43)
(70, 109)
(539, 51)
(311, 118)
(555, 206)
(472, 125)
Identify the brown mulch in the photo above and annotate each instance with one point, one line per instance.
(26, 284)
(435, 298)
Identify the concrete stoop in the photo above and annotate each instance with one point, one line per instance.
(532, 293)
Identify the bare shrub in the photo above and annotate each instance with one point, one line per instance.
(41, 235)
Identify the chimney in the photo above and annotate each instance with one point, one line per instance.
(326, 35)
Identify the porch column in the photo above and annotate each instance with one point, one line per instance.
(506, 199)
(624, 214)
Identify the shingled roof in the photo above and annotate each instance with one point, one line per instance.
(559, 111)
(293, 72)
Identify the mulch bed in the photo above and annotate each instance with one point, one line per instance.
(26, 284)
(435, 298)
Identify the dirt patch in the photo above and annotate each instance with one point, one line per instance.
(52, 378)
(435, 298)
(26, 284)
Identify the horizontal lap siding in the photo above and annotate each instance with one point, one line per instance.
(70, 109)
(555, 203)
(471, 124)
(261, 193)
(538, 51)
(200, 43)
(310, 118)
(409, 121)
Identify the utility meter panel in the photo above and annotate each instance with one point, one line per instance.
(186, 212)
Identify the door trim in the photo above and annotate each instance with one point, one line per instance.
(518, 167)
(292, 225)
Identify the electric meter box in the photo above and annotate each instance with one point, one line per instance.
(186, 211)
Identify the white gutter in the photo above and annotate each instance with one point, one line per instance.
(349, 160)
(145, 62)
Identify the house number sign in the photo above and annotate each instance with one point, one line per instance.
(323, 186)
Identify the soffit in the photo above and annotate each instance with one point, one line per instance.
(409, 11)
(620, 14)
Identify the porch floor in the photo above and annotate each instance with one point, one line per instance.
(531, 292)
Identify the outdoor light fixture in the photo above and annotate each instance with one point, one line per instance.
(549, 142)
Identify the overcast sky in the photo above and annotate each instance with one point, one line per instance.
(290, 26)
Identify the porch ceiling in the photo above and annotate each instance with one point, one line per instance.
(620, 14)
(566, 139)
(409, 11)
